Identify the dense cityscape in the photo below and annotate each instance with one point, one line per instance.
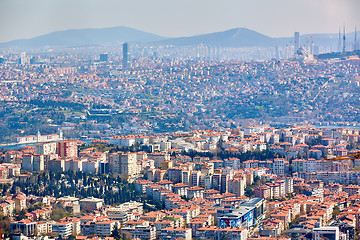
(100, 97)
(161, 148)
(115, 133)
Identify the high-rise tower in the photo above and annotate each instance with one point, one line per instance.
(22, 59)
(125, 55)
(297, 41)
(104, 57)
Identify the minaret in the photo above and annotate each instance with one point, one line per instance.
(61, 134)
(38, 136)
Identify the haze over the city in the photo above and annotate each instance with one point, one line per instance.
(278, 18)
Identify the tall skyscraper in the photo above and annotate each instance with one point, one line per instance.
(22, 59)
(125, 55)
(104, 57)
(33, 60)
(297, 41)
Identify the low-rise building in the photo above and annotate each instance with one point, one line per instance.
(26, 227)
(90, 204)
(173, 233)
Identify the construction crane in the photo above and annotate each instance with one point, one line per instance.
(350, 157)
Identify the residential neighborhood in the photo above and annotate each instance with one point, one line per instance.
(258, 182)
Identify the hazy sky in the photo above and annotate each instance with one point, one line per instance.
(172, 18)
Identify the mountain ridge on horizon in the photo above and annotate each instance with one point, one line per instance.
(85, 36)
(235, 37)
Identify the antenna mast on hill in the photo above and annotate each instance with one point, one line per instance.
(344, 41)
(355, 40)
(339, 42)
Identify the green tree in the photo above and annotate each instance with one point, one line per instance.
(21, 215)
(116, 233)
(336, 212)
(249, 192)
(58, 213)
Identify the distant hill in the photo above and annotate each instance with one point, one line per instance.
(340, 55)
(237, 37)
(85, 37)
(243, 37)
